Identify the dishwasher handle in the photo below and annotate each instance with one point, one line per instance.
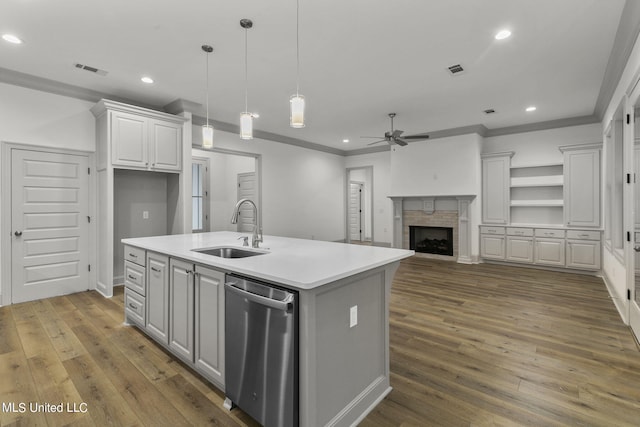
(283, 305)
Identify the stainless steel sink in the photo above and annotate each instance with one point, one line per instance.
(228, 252)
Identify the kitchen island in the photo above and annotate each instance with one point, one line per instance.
(176, 295)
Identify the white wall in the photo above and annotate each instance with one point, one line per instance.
(444, 166)
(37, 118)
(382, 205)
(302, 189)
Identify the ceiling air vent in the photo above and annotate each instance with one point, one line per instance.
(489, 111)
(90, 69)
(455, 69)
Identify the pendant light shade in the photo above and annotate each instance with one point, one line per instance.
(207, 130)
(246, 126)
(296, 119)
(296, 102)
(246, 118)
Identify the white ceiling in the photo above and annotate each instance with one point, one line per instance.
(359, 59)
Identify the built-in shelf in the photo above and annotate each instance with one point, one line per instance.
(538, 181)
(540, 203)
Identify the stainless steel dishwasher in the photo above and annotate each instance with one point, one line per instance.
(261, 351)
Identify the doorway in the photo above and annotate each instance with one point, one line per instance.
(632, 211)
(359, 216)
(48, 217)
(200, 194)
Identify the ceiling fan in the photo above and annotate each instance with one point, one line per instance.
(393, 136)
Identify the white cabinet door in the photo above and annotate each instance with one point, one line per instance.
(165, 146)
(582, 187)
(495, 188)
(583, 254)
(549, 252)
(492, 246)
(129, 140)
(157, 299)
(209, 324)
(181, 304)
(519, 249)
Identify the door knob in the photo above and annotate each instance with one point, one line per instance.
(18, 233)
(636, 248)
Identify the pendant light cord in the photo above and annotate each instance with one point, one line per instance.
(246, 73)
(207, 89)
(297, 47)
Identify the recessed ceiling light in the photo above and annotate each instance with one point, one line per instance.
(530, 109)
(255, 115)
(147, 79)
(502, 34)
(346, 141)
(11, 38)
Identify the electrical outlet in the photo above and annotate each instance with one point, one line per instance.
(353, 316)
(145, 214)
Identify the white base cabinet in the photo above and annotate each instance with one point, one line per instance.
(181, 306)
(555, 247)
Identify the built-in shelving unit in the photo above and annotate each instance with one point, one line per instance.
(536, 193)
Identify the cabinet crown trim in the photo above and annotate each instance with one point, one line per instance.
(501, 154)
(593, 146)
(105, 105)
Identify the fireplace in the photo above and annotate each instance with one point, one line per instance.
(431, 240)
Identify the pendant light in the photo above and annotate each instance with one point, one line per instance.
(246, 118)
(207, 130)
(296, 117)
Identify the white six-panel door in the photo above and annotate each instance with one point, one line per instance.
(247, 190)
(50, 224)
(355, 211)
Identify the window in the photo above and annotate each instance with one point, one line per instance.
(200, 195)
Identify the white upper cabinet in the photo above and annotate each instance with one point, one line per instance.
(582, 185)
(138, 138)
(495, 187)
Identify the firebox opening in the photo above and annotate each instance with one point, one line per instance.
(431, 240)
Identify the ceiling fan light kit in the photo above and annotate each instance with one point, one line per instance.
(296, 102)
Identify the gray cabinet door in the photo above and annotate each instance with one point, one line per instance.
(519, 249)
(492, 246)
(157, 299)
(549, 252)
(181, 304)
(165, 146)
(582, 187)
(209, 324)
(495, 188)
(583, 254)
(129, 140)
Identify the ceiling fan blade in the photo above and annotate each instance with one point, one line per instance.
(396, 133)
(374, 137)
(375, 142)
(417, 136)
(400, 142)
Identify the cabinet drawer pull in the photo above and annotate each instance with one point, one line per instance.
(157, 270)
(132, 277)
(132, 305)
(583, 235)
(133, 255)
(491, 231)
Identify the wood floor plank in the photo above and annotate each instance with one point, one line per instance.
(9, 340)
(18, 388)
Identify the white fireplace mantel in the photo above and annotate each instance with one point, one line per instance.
(427, 203)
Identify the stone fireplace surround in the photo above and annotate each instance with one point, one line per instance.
(438, 211)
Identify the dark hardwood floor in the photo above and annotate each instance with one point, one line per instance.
(471, 345)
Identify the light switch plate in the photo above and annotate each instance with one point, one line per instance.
(145, 214)
(353, 316)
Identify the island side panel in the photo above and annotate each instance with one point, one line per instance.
(344, 370)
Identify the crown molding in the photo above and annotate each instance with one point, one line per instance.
(551, 124)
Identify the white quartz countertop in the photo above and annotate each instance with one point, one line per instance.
(297, 263)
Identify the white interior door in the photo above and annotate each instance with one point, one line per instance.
(247, 190)
(634, 308)
(355, 211)
(50, 224)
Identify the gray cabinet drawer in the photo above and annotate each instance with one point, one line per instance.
(135, 255)
(491, 230)
(583, 234)
(134, 277)
(518, 231)
(134, 307)
(549, 232)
